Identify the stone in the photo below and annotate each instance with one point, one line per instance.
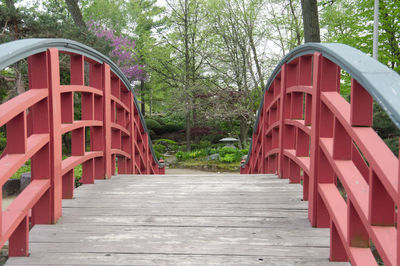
(213, 157)
(25, 180)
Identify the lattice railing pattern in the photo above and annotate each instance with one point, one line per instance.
(35, 122)
(309, 133)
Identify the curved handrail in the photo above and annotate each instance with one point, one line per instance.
(307, 132)
(376, 78)
(14, 51)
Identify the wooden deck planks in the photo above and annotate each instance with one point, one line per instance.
(181, 220)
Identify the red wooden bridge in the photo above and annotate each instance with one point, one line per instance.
(306, 133)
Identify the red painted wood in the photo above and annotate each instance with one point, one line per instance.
(77, 70)
(314, 148)
(36, 134)
(357, 235)
(68, 183)
(361, 105)
(337, 251)
(55, 133)
(19, 240)
(17, 134)
(282, 116)
(308, 127)
(88, 172)
(107, 118)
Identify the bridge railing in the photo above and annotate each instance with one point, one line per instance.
(307, 132)
(36, 120)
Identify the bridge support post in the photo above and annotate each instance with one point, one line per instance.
(107, 120)
(19, 240)
(282, 115)
(131, 131)
(39, 119)
(398, 212)
(315, 117)
(55, 133)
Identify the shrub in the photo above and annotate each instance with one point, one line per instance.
(228, 158)
(393, 144)
(3, 142)
(197, 154)
(244, 152)
(165, 141)
(195, 146)
(182, 156)
(154, 125)
(172, 127)
(212, 151)
(169, 145)
(159, 148)
(204, 144)
(226, 150)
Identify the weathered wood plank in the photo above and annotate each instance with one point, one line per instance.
(181, 220)
(165, 259)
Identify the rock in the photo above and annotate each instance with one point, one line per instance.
(11, 187)
(25, 180)
(213, 157)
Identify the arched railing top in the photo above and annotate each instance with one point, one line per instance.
(12, 52)
(308, 132)
(379, 80)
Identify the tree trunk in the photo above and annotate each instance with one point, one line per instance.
(187, 73)
(10, 4)
(188, 128)
(143, 106)
(19, 81)
(310, 20)
(76, 14)
(258, 67)
(243, 132)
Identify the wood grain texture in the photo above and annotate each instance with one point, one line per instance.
(181, 220)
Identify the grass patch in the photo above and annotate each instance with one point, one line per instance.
(209, 165)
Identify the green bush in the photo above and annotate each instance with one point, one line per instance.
(165, 141)
(182, 156)
(159, 148)
(228, 158)
(154, 125)
(195, 146)
(3, 142)
(204, 144)
(229, 155)
(197, 154)
(244, 151)
(172, 127)
(170, 145)
(393, 144)
(226, 150)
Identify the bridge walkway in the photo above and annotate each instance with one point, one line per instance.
(221, 219)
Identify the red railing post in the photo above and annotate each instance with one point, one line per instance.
(398, 212)
(314, 152)
(146, 152)
(40, 121)
(19, 240)
(107, 120)
(131, 131)
(55, 133)
(282, 119)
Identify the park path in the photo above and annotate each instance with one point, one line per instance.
(182, 218)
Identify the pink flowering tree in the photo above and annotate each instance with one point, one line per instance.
(123, 51)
